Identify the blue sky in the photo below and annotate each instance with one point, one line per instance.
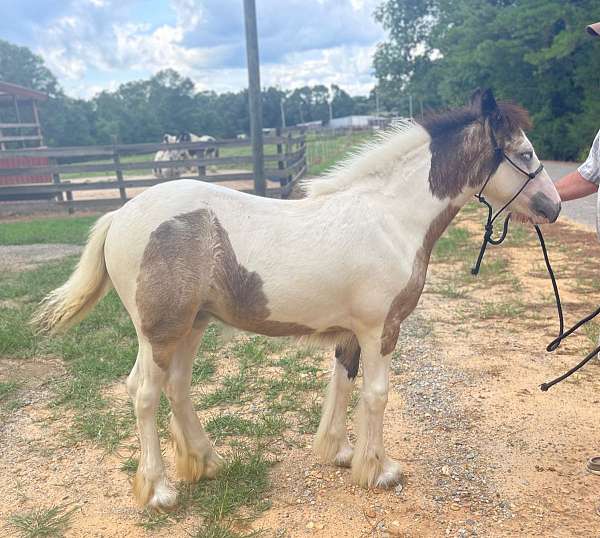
(92, 45)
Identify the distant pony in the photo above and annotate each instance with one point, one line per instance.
(170, 155)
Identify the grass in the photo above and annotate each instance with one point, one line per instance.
(325, 151)
(41, 523)
(71, 230)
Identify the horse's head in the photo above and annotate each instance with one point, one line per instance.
(512, 161)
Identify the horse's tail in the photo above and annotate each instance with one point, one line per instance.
(74, 300)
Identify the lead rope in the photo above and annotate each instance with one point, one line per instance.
(488, 239)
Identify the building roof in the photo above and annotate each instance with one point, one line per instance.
(20, 92)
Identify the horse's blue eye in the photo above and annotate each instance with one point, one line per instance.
(527, 155)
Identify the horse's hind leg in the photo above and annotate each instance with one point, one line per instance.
(150, 485)
(194, 455)
(331, 442)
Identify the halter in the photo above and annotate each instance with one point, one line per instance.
(500, 155)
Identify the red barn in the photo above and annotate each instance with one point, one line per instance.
(20, 128)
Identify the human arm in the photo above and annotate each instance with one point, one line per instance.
(574, 185)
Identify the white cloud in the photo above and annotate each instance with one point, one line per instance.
(328, 42)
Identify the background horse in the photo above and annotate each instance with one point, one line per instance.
(169, 155)
(184, 253)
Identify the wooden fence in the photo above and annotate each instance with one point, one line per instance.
(72, 169)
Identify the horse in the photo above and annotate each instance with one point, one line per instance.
(209, 152)
(169, 155)
(345, 265)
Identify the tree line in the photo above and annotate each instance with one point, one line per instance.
(143, 110)
(533, 52)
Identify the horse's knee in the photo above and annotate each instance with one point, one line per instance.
(375, 398)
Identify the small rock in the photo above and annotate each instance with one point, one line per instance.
(310, 525)
(370, 512)
(445, 470)
(319, 526)
(398, 489)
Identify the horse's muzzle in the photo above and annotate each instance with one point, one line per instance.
(545, 207)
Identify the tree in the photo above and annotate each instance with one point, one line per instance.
(534, 52)
(20, 66)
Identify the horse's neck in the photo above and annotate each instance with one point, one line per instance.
(418, 214)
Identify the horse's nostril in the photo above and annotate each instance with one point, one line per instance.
(544, 206)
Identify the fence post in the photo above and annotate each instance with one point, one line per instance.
(69, 195)
(282, 161)
(288, 152)
(56, 180)
(119, 172)
(202, 169)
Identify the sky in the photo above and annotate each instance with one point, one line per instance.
(92, 45)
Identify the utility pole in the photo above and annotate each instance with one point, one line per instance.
(254, 97)
(377, 101)
(410, 108)
(282, 109)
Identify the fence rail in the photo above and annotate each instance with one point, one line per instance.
(285, 164)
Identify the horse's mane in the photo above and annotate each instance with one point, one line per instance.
(509, 116)
(377, 155)
(370, 157)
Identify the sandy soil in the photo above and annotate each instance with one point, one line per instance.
(485, 452)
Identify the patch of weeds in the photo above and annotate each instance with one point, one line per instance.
(211, 342)
(592, 331)
(242, 482)
(130, 465)
(311, 415)
(8, 396)
(212, 529)
(152, 521)
(255, 351)
(454, 245)
(17, 339)
(7, 389)
(232, 391)
(42, 522)
(105, 427)
(230, 425)
(449, 291)
(500, 310)
(518, 235)
(203, 369)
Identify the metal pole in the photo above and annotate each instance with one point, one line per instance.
(282, 107)
(410, 105)
(254, 97)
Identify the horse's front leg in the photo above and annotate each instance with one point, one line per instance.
(331, 442)
(370, 466)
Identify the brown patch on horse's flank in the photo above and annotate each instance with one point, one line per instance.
(189, 271)
(406, 301)
(348, 354)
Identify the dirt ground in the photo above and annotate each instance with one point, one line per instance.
(484, 451)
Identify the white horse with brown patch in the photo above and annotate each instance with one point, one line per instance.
(346, 264)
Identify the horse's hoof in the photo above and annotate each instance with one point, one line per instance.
(163, 499)
(390, 476)
(344, 456)
(214, 462)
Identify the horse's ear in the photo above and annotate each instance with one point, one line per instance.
(476, 99)
(488, 103)
(483, 102)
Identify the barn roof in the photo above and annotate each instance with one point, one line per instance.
(20, 92)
